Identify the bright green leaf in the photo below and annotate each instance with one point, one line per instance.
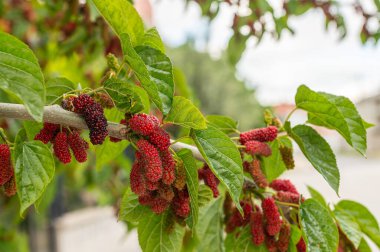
(184, 113)
(154, 235)
(153, 39)
(349, 226)
(244, 242)
(364, 217)
(204, 195)
(317, 196)
(273, 166)
(223, 158)
(161, 74)
(122, 17)
(21, 75)
(317, 151)
(56, 87)
(319, 227)
(223, 123)
(364, 247)
(130, 208)
(295, 237)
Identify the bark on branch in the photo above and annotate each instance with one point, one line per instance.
(56, 114)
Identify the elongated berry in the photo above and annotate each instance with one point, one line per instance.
(181, 204)
(270, 243)
(96, 122)
(6, 168)
(272, 216)
(160, 138)
(180, 180)
(257, 174)
(284, 185)
(61, 148)
(10, 187)
(81, 102)
(169, 167)
(267, 134)
(210, 179)
(150, 159)
(79, 146)
(283, 238)
(288, 197)
(257, 148)
(257, 227)
(137, 180)
(142, 124)
(287, 156)
(47, 133)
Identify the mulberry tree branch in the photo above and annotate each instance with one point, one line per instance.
(56, 114)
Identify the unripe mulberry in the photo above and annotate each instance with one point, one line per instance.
(267, 134)
(159, 205)
(288, 197)
(301, 245)
(47, 133)
(257, 227)
(105, 100)
(142, 124)
(166, 192)
(257, 174)
(168, 164)
(81, 102)
(6, 169)
(181, 204)
(79, 146)
(210, 179)
(284, 185)
(96, 122)
(10, 188)
(237, 220)
(137, 179)
(180, 180)
(258, 148)
(61, 148)
(284, 237)
(150, 159)
(160, 138)
(287, 156)
(272, 216)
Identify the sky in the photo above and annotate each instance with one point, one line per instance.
(313, 56)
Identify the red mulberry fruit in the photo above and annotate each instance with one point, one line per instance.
(137, 179)
(262, 135)
(146, 200)
(181, 204)
(301, 246)
(10, 188)
(283, 238)
(272, 216)
(284, 185)
(168, 165)
(287, 156)
(258, 175)
(159, 205)
(237, 220)
(78, 146)
(288, 197)
(81, 102)
(160, 138)
(6, 169)
(142, 124)
(47, 133)
(150, 160)
(257, 228)
(270, 242)
(61, 148)
(258, 148)
(210, 179)
(96, 122)
(151, 186)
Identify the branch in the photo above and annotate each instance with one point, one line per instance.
(56, 114)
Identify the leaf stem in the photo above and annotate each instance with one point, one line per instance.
(287, 204)
(290, 114)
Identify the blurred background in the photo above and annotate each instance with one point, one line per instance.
(231, 57)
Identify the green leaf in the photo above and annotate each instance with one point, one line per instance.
(273, 166)
(138, 66)
(295, 237)
(368, 125)
(130, 208)
(334, 112)
(56, 87)
(153, 39)
(154, 236)
(34, 170)
(223, 123)
(364, 217)
(161, 74)
(210, 227)
(185, 113)
(317, 196)
(318, 226)
(109, 151)
(223, 158)
(244, 242)
(364, 247)
(122, 17)
(21, 75)
(124, 95)
(317, 151)
(349, 226)
(204, 195)
(192, 183)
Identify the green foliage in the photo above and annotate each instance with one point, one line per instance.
(273, 166)
(152, 39)
(317, 196)
(20, 74)
(223, 123)
(56, 87)
(130, 208)
(349, 226)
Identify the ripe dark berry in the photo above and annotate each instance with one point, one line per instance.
(168, 164)
(284, 185)
(257, 148)
(150, 159)
(151, 186)
(10, 188)
(272, 216)
(79, 146)
(142, 124)
(257, 227)
(210, 179)
(6, 168)
(267, 134)
(61, 148)
(68, 104)
(96, 122)
(47, 133)
(137, 180)
(81, 102)
(270, 242)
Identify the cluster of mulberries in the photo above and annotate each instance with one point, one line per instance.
(286, 191)
(255, 141)
(287, 156)
(6, 171)
(93, 114)
(254, 169)
(210, 179)
(155, 177)
(64, 140)
(272, 216)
